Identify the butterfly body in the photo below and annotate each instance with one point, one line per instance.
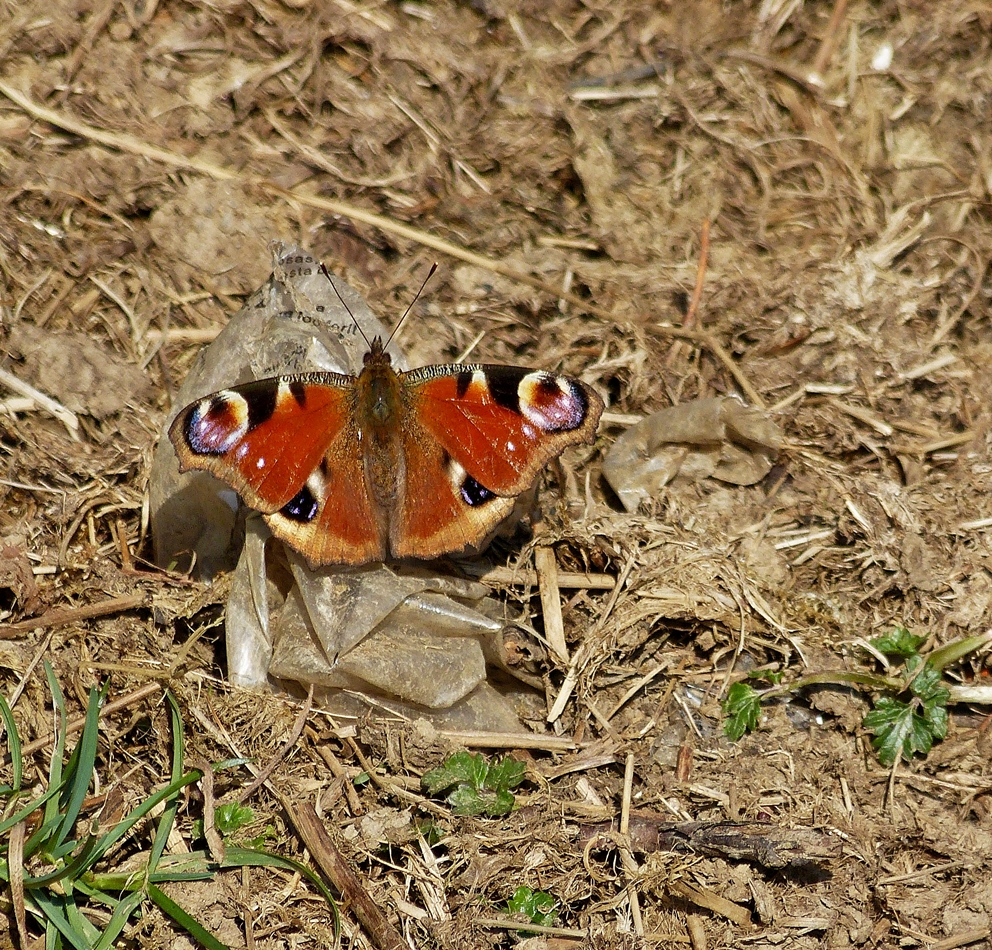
(353, 469)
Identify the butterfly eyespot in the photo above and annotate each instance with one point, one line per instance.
(303, 507)
(475, 494)
(552, 403)
(472, 492)
(215, 425)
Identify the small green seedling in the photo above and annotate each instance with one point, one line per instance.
(912, 719)
(474, 786)
(537, 906)
(910, 713)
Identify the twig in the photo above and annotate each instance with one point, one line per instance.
(324, 852)
(582, 654)
(66, 416)
(508, 923)
(42, 651)
(292, 739)
(391, 788)
(215, 843)
(829, 42)
(338, 770)
(510, 740)
(58, 618)
(765, 845)
(697, 292)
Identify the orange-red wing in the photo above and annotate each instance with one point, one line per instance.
(289, 447)
(502, 424)
(433, 514)
(473, 438)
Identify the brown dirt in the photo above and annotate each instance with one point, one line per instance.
(847, 280)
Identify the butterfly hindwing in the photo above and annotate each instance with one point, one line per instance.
(332, 519)
(440, 507)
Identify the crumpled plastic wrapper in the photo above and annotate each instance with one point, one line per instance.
(708, 438)
(414, 643)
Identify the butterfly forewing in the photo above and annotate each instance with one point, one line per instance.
(503, 424)
(267, 437)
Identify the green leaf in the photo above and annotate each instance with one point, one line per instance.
(507, 773)
(501, 804)
(53, 907)
(476, 786)
(537, 906)
(469, 768)
(231, 817)
(32, 806)
(742, 708)
(134, 816)
(899, 643)
(903, 728)
(14, 744)
(462, 767)
(466, 800)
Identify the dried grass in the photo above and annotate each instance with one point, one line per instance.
(148, 153)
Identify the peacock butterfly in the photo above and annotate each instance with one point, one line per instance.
(386, 464)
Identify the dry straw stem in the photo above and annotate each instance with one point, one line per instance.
(135, 146)
(59, 618)
(546, 564)
(522, 577)
(77, 724)
(630, 869)
(66, 416)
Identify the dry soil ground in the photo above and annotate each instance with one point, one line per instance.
(150, 150)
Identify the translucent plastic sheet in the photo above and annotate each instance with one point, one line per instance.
(707, 438)
(415, 642)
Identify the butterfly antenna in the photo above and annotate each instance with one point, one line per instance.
(399, 323)
(330, 280)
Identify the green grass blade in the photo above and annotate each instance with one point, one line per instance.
(58, 753)
(44, 833)
(126, 824)
(70, 871)
(80, 886)
(118, 920)
(52, 908)
(81, 766)
(13, 743)
(193, 927)
(178, 756)
(249, 857)
(79, 922)
(32, 806)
